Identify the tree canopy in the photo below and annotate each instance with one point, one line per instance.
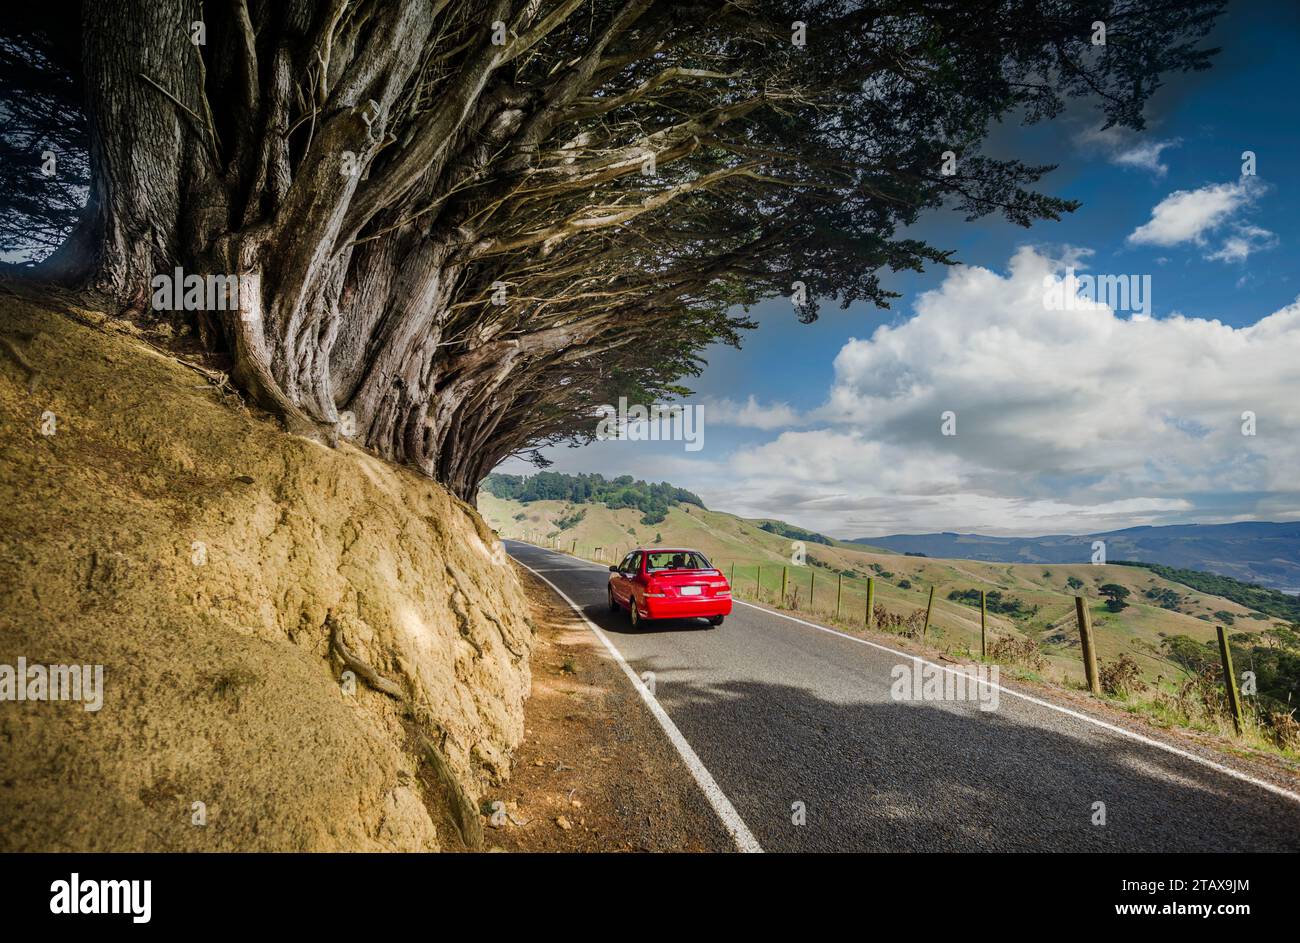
(472, 223)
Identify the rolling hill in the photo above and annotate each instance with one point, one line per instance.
(756, 551)
(1253, 552)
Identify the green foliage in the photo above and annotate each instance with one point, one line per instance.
(1193, 656)
(571, 520)
(1224, 616)
(653, 500)
(1115, 595)
(1074, 583)
(1273, 655)
(1165, 598)
(994, 601)
(1250, 595)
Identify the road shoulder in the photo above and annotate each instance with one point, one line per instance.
(595, 772)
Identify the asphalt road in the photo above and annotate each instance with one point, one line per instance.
(782, 713)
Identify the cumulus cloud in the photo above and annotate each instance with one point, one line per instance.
(1192, 215)
(1066, 420)
(750, 414)
(1186, 215)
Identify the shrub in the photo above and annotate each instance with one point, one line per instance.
(1286, 729)
(572, 520)
(1121, 677)
(909, 625)
(1017, 650)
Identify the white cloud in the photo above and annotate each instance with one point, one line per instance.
(1126, 148)
(1244, 241)
(1066, 420)
(1145, 156)
(750, 414)
(1187, 215)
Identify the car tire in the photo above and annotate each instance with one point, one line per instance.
(613, 603)
(716, 620)
(633, 616)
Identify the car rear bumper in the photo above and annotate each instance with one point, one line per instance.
(687, 607)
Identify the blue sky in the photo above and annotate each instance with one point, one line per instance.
(1066, 421)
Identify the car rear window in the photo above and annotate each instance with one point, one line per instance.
(676, 560)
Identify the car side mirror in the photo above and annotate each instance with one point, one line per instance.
(613, 569)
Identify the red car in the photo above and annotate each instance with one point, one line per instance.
(668, 584)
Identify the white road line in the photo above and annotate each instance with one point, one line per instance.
(731, 820)
(1113, 728)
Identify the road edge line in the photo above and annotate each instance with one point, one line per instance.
(740, 834)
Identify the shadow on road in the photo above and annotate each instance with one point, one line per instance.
(618, 623)
(879, 775)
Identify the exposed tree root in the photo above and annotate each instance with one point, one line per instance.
(362, 670)
(32, 375)
(463, 812)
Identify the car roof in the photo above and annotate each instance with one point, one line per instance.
(669, 550)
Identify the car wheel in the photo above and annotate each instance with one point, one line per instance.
(632, 614)
(716, 620)
(613, 603)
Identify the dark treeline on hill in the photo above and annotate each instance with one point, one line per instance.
(782, 529)
(1250, 595)
(653, 500)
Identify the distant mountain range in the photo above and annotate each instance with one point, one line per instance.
(1254, 552)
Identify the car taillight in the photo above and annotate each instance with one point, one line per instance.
(655, 589)
(718, 584)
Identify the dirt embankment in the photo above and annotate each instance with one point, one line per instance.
(204, 558)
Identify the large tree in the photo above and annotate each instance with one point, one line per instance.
(474, 222)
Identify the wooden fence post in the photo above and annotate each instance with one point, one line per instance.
(1085, 640)
(785, 582)
(871, 598)
(839, 596)
(984, 618)
(812, 590)
(758, 583)
(1230, 679)
(929, 607)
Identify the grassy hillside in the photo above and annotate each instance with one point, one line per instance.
(1158, 606)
